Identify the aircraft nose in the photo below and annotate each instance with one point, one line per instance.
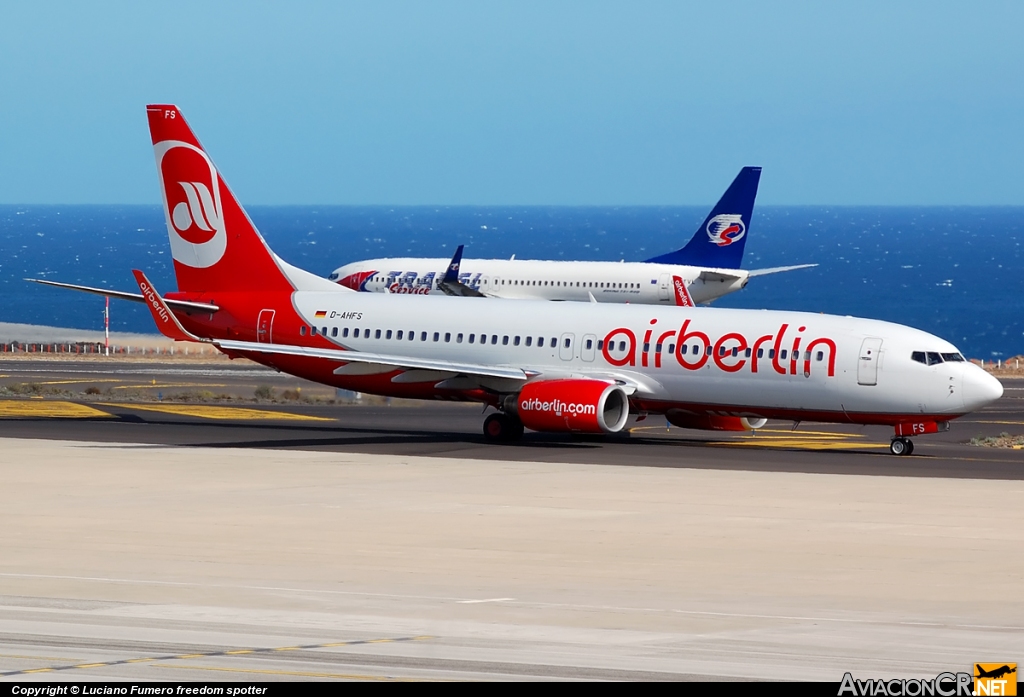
(980, 388)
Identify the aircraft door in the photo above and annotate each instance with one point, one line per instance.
(495, 285)
(265, 327)
(867, 363)
(565, 346)
(589, 348)
(665, 287)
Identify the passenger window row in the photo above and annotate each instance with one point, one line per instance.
(571, 284)
(402, 335)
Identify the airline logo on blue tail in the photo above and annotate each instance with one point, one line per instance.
(725, 229)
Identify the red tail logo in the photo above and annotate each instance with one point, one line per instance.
(192, 198)
(214, 244)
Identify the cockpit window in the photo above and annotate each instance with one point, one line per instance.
(934, 357)
(333, 276)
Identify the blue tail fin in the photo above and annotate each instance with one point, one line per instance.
(452, 274)
(719, 241)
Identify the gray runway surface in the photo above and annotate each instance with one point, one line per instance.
(242, 541)
(454, 430)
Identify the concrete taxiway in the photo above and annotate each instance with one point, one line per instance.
(156, 540)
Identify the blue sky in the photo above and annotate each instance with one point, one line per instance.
(520, 102)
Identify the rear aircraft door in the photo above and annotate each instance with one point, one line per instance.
(589, 347)
(265, 327)
(665, 287)
(565, 346)
(867, 363)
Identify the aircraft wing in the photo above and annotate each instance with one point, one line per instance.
(778, 269)
(180, 305)
(383, 359)
(466, 375)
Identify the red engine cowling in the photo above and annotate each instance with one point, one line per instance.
(572, 406)
(712, 422)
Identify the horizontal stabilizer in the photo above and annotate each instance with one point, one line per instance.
(720, 275)
(179, 305)
(778, 269)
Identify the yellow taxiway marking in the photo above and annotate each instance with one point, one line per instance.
(233, 413)
(799, 443)
(787, 438)
(43, 409)
(71, 382)
(38, 658)
(299, 673)
(1008, 423)
(163, 385)
(212, 654)
(763, 432)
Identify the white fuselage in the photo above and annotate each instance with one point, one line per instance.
(609, 282)
(774, 364)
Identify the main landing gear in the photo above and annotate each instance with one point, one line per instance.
(502, 428)
(901, 446)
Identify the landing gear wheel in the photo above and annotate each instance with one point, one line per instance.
(901, 446)
(502, 428)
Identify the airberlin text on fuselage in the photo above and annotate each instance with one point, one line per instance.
(729, 351)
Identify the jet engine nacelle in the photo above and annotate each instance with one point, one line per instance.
(711, 422)
(571, 406)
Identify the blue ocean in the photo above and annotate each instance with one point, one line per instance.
(957, 272)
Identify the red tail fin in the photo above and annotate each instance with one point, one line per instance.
(214, 244)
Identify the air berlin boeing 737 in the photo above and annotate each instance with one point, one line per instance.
(708, 267)
(562, 367)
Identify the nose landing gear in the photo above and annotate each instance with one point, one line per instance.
(901, 446)
(502, 428)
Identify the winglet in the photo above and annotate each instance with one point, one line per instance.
(451, 285)
(452, 274)
(683, 298)
(165, 320)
